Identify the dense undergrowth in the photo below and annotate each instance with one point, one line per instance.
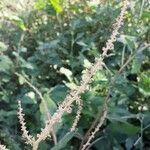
(48, 46)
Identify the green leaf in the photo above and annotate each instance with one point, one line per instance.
(136, 66)
(58, 93)
(5, 63)
(124, 128)
(3, 47)
(129, 41)
(63, 142)
(81, 43)
(29, 98)
(119, 114)
(144, 84)
(123, 86)
(56, 5)
(40, 4)
(146, 14)
(130, 44)
(18, 21)
(50, 105)
(47, 52)
(23, 62)
(137, 61)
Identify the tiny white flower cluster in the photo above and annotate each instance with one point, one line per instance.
(116, 27)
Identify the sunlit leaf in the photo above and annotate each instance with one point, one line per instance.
(56, 5)
(146, 14)
(40, 4)
(18, 21)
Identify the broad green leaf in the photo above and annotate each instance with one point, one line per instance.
(144, 84)
(56, 5)
(50, 105)
(123, 86)
(129, 41)
(124, 128)
(137, 61)
(5, 63)
(136, 66)
(58, 93)
(130, 44)
(146, 14)
(81, 43)
(63, 142)
(119, 114)
(23, 62)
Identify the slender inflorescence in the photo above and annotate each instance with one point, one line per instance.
(2, 147)
(78, 115)
(44, 103)
(86, 79)
(109, 46)
(29, 139)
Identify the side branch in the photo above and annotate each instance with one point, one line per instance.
(44, 103)
(98, 122)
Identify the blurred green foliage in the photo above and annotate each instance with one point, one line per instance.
(51, 43)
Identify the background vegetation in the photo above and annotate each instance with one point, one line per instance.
(50, 44)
